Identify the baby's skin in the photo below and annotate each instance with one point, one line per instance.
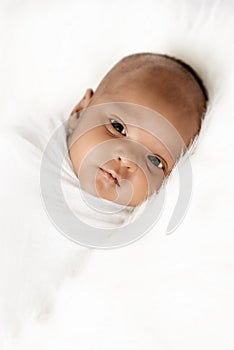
(127, 136)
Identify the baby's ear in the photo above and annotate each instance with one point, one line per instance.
(81, 105)
(72, 122)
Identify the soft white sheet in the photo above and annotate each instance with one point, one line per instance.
(164, 292)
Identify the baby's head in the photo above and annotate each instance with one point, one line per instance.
(128, 134)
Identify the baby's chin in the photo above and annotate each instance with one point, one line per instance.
(109, 190)
(121, 192)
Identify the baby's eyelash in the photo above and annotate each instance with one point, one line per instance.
(116, 125)
(158, 163)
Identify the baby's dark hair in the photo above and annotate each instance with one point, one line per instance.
(193, 72)
(140, 60)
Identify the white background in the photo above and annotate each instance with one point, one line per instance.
(162, 292)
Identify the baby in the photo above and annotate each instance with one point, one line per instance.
(126, 137)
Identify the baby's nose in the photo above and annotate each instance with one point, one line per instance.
(125, 162)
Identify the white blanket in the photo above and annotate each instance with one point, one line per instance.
(161, 292)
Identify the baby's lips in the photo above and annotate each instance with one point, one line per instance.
(113, 174)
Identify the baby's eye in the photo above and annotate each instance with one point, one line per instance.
(118, 127)
(156, 161)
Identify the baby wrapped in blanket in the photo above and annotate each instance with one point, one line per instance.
(125, 138)
(120, 144)
(115, 151)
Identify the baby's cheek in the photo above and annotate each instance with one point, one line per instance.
(140, 186)
(74, 156)
(104, 189)
(145, 185)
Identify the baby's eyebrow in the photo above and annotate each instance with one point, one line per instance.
(163, 149)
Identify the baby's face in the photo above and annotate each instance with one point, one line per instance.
(112, 140)
(126, 141)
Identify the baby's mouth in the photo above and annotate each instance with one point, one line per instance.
(111, 175)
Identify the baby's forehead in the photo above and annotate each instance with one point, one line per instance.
(151, 72)
(164, 82)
